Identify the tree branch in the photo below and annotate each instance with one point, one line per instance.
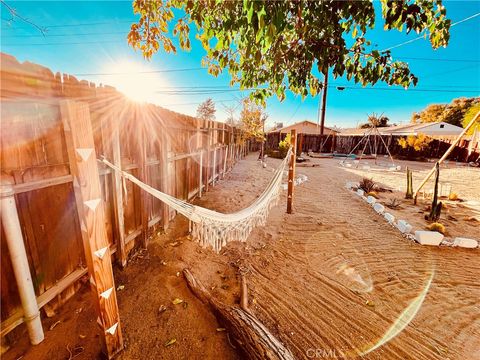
(14, 14)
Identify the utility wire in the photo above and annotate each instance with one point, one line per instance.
(139, 72)
(83, 24)
(47, 35)
(421, 36)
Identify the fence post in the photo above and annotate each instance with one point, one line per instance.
(164, 209)
(83, 164)
(111, 143)
(291, 171)
(200, 175)
(141, 159)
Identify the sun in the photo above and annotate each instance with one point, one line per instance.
(137, 81)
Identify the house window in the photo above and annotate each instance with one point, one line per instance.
(442, 126)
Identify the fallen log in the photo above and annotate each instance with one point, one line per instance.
(251, 335)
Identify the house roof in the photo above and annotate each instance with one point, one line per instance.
(439, 128)
(304, 122)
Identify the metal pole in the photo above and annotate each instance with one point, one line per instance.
(18, 255)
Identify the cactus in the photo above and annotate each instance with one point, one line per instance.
(409, 194)
(436, 206)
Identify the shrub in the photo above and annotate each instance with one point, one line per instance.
(436, 227)
(284, 145)
(393, 203)
(453, 196)
(367, 185)
(418, 142)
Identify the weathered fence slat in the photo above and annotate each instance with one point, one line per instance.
(77, 127)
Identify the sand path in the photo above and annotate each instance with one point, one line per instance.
(332, 278)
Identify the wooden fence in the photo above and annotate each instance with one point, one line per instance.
(174, 153)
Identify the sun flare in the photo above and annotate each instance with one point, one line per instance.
(136, 80)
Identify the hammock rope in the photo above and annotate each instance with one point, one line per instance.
(216, 229)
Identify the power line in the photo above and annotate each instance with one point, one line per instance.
(69, 43)
(47, 35)
(83, 24)
(436, 59)
(139, 72)
(421, 37)
(412, 90)
(198, 103)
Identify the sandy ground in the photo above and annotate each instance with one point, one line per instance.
(329, 280)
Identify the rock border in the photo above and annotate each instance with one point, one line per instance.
(423, 237)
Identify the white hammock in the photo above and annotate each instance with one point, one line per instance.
(215, 228)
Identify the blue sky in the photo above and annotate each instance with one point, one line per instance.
(89, 39)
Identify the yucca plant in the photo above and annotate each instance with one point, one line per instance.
(436, 206)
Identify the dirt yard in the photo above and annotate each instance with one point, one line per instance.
(331, 280)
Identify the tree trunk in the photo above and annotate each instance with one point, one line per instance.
(249, 333)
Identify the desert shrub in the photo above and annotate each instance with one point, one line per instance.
(284, 145)
(417, 142)
(453, 196)
(436, 226)
(393, 203)
(367, 185)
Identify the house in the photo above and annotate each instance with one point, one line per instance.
(304, 127)
(438, 129)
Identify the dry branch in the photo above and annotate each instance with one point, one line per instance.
(250, 334)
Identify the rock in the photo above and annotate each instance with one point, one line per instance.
(348, 165)
(360, 192)
(428, 237)
(371, 200)
(366, 167)
(404, 226)
(379, 208)
(465, 242)
(389, 217)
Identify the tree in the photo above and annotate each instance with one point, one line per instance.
(206, 110)
(230, 110)
(452, 113)
(376, 121)
(431, 113)
(469, 115)
(271, 46)
(455, 111)
(252, 119)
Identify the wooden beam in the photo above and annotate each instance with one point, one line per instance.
(17, 317)
(118, 192)
(83, 162)
(40, 184)
(164, 209)
(143, 176)
(291, 172)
